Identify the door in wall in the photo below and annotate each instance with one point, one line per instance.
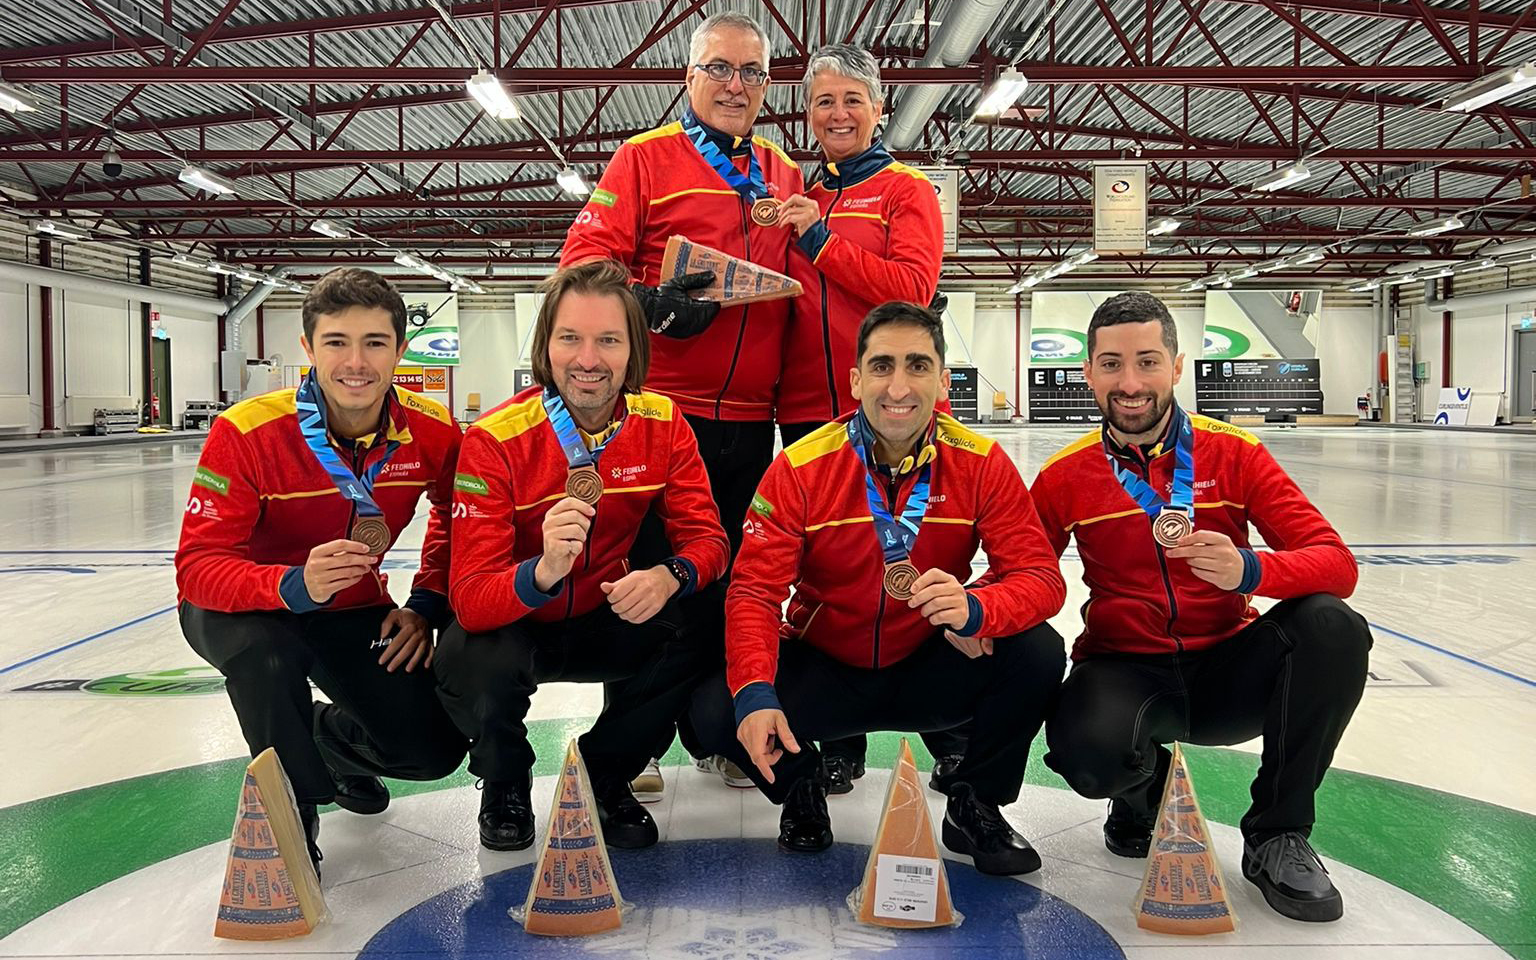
(160, 380)
(1525, 376)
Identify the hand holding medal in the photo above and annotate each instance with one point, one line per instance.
(941, 598)
(565, 536)
(1212, 556)
(799, 212)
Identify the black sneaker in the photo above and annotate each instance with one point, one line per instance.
(1293, 879)
(804, 824)
(977, 828)
(309, 816)
(360, 794)
(943, 767)
(841, 772)
(506, 816)
(626, 824)
(1127, 832)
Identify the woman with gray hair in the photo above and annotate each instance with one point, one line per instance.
(869, 232)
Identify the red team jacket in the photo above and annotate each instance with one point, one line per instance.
(512, 470)
(657, 186)
(809, 527)
(261, 501)
(1143, 602)
(881, 238)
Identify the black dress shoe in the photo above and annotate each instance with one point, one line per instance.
(360, 794)
(1127, 832)
(309, 816)
(943, 767)
(841, 772)
(804, 824)
(506, 817)
(977, 828)
(626, 824)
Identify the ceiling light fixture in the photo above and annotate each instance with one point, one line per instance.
(492, 96)
(326, 228)
(1492, 87)
(1436, 227)
(571, 181)
(196, 176)
(63, 231)
(1283, 177)
(1163, 225)
(1001, 95)
(13, 99)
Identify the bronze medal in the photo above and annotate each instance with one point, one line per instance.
(899, 578)
(373, 533)
(585, 484)
(765, 212)
(1170, 526)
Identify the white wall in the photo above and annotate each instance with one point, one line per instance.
(194, 360)
(98, 346)
(19, 412)
(1346, 345)
(1482, 344)
(492, 344)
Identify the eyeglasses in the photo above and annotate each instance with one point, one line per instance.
(722, 73)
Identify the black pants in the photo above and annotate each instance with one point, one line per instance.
(486, 681)
(1009, 693)
(378, 724)
(940, 743)
(736, 455)
(1294, 676)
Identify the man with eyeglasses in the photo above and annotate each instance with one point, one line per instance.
(699, 177)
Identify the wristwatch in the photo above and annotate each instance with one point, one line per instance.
(679, 571)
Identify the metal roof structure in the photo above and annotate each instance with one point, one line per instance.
(357, 113)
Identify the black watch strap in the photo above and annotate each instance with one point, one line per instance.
(679, 571)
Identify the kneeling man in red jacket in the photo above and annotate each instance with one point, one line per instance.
(873, 520)
(1160, 501)
(551, 488)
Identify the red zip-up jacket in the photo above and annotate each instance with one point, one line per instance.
(1140, 601)
(657, 186)
(261, 501)
(809, 527)
(512, 470)
(881, 238)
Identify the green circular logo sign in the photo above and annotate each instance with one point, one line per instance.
(1057, 345)
(433, 345)
(187, 681)
(1224, 343)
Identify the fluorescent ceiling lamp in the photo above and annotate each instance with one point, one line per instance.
(293, 286)
(1243, 273)
(1413, 266)
(251, 276)
(1395, 281)
(214, 266)
(1221, 282)
(1499, 250)
(1087, 256)
(1435, 227)
(571, 182)
(1267, 266)
(1192, 286)
(13, 99)
(61, 230)
(1163, 225)
(1473, 266)
(413, 263)
(1365, 287)
(196, 176)
(328, 229)
(187, 260)
(1017, 287)
(492, 96)
(1493, 87)
(1003, 94)
(272, 281)
(1312, 255)
(1283, 177)
(1434, 274)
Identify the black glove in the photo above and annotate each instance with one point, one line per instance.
(669, 310)
(938, 303)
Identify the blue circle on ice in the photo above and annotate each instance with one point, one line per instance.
(744, 898)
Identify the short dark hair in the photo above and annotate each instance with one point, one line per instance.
(1134, 306)
(352, 287)
(899, 311)
(600, 278)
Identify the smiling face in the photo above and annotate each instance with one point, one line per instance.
(897, 382)
(589, 354)
(732, 106)
(1133, 375)
(842, 115)
(354, 353)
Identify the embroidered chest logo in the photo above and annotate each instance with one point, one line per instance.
(628, 474)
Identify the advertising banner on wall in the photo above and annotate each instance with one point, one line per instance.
(431, 329)
(1454, 407)
(1058, 346)
(1120, 207)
